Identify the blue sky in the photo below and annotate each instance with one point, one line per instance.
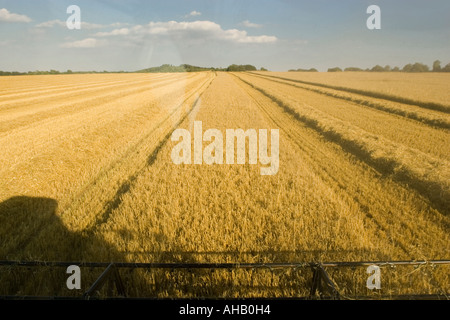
(278, 35)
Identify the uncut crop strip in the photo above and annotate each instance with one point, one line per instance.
(427, 174)
(430, 117)
(402, 96)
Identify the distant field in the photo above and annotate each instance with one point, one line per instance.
(86, 175)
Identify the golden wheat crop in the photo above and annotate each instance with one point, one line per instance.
(86, 175)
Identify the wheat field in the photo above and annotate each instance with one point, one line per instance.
(86, 175)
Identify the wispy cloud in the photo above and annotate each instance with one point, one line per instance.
(7, 16)
(117, 24)
(115, 32)
(85, 43)
(193, 14)
(249, 24)
(206, 30)
(84, 25)
(51, 24)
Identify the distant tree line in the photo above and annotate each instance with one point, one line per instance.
(246, 67)
(304, 70)
(190, 68)
(416, 67)
(171, 68)
(161, 69)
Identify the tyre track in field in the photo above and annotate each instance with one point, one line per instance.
(425, 105)
(342, 178)
(161, 132)
(396, 160)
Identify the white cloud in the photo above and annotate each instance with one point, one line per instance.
(206, 30)
(193, 14)
(115, 32)
(86, 43)
(7, 16)
(118, 24)
(87, 25)
(249, 24)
